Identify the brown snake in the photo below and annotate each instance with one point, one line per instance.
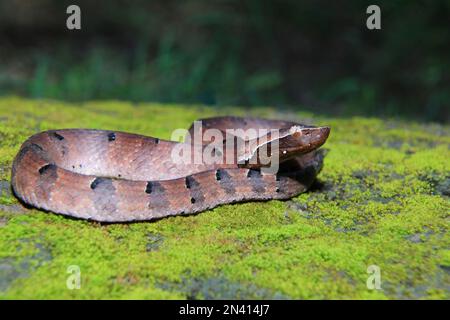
(115, 176)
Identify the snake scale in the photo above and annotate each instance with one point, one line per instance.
(111, 176)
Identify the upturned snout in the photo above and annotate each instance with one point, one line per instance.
(302, 140)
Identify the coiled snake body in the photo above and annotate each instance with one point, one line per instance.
(115, 176)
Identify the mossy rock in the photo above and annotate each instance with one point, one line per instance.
(382, 199)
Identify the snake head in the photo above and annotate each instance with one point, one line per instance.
(286, 144)
(300, 140)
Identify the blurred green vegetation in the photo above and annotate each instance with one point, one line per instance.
(287, 53)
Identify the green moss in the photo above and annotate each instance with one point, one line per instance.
(381, 199)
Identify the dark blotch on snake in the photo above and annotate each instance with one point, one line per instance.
(36, 146)
(256, 180)
(218, 175)
(188, 182)
(196, 190)
(43, 169)
(104, 196)
(191, 182)
(157, 195)
(111, 136)
(253, 173)
(154, 187)
(149, 187)
(31, 147)
(48, 177)
(58, 136)
(96, 182)
(226, 181)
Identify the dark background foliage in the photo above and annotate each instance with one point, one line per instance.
(315, 55)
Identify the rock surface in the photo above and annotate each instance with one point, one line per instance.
(382, 199)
